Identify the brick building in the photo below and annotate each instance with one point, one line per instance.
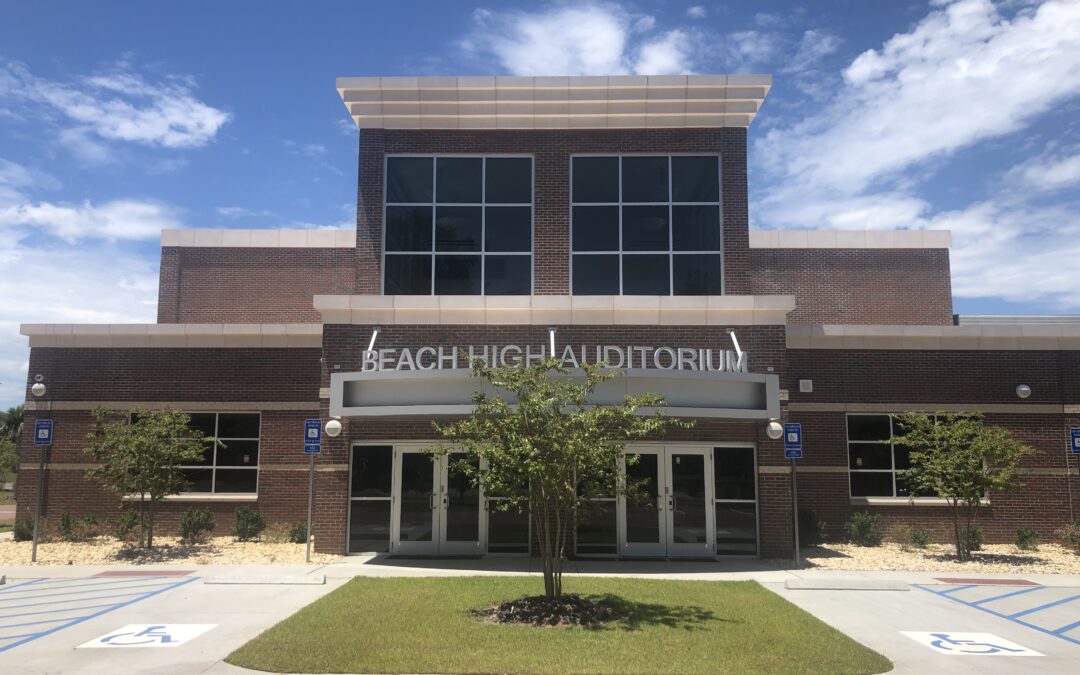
(604, 218)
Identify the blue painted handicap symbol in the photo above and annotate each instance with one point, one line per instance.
(970, 644)
(149, 635)
(142, 637)
(43, 432)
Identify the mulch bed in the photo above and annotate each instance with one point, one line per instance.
(538, 610)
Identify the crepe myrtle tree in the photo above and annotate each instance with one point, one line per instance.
(958, 457)
(141, 454)
(538, 446)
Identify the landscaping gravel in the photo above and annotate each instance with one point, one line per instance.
(993, 558)
(109, 551)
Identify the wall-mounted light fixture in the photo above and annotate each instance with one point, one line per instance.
(1023, 391)
(333, 428)
(774, 431)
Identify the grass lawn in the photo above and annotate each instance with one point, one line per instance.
(7, 497)
(424, 626)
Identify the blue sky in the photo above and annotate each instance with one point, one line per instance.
(119, 119)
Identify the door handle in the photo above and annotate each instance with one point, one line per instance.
(431, 501)
(671, 503)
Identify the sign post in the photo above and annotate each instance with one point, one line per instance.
(43, 435)
(793, 450)
(312, 447)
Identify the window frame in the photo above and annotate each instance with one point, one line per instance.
(892, 460)
(671, 252)
(213, 466)
(482, 205)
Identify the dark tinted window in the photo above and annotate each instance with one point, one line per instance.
(200, 480)
(238, 425)
(201, 422)
(235, 480)
(508, 228)
(596, 228)
(695, 228)
(509, 180)
(870, 456)
(458, 180)
(733, 473)
(508, 274)
(372, 470)
(408, 228)
(871, 483)
(596, 179)
(695, 179)
(408, 275)
(408, 180)
(238, 453)
(646, 275)
(596, 275)
(457, 275)
(645, 228)
(458, 228)
(644, 179)
(868, 428)
(697, 274)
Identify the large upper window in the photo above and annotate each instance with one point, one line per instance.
(646, 225)
(231, 465)
(458, 226)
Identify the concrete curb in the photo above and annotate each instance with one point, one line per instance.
(269, 579)
(850, 584)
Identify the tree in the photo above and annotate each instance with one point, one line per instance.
(11, 421)
(961, 459)
(541, 448)
(9, 460)
(141, 454)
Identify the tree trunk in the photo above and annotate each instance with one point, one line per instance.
(150, 526)
(142, 520)
(961, 544)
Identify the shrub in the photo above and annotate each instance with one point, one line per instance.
(248, 524)
(23, 530)
(1070, 536)
(863, 529)
(920, 538)
(82, 528)
(811, 530)
(276, 533)
(975, 538)
(196, 525)
(298, 533)
(129, 526)
(900, 534)
(1027, 539)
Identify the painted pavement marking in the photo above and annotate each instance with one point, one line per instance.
(149, 635)
(970, 644)
(26, 607)
(1040, 600)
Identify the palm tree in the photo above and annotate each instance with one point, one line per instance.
(11, 421)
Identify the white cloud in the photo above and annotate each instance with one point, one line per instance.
(305, 149)
(749, 48)
(671, 53)
(697, 12)
(119, 106)
(814, 46)
(116, 219)
(346, 126)
(1048, 172)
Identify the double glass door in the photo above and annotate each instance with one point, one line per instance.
(667, 511)
(438, 512)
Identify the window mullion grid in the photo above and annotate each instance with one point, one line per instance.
(892, 455)
(671, 231)
(213, 460)
(434, 201)
(483, 225)
(620, 208)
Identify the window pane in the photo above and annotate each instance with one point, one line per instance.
(207, 456)
(457, 228)
(200, 422)
(596, 228)
(733, 472)
(596, 179)
(238, 453)
(871, 484)
(238, 425)
(509, 180)
(408, 180)
(903, 456)
(372, 470)
(698, 275)
(508, 275)
(596, 530)
(458, 181)
(695, 179)
(235, 480)
(199, 479)
(695, 228)
(645, 228)
(644, 179)
(869, 456)
(508, 531)
(408, 275)
(369, 526)
(868, 427)
(736, 529)
(508, 228)
(596, 275)
(646, 275)
(457, 275)
(408, 228)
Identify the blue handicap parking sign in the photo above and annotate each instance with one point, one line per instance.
(793, 445)
(1074, 435)
(312, 436)
(43, 432)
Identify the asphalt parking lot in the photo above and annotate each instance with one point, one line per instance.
(966, 626)
(172, 622)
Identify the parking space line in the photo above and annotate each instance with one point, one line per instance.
(1008, 595)
(56, 595)
(51, 586)
(1060, 633)
(958, 588)
(24, 638)
(1042, 607)
(20, 585)
(1066, 629)
(53, 611)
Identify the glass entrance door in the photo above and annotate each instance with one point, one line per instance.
(690, 502)
(416, 514)
(460, 514)
(644, 507)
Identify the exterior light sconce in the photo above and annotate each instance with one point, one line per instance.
(774, 431)
(333, 428)
(1023, 391)
(38, 389)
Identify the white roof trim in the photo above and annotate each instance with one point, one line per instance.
(978, 337)
(874, 239)
(173, 335)
(207, 238)
(605, 102)
(554, 310)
